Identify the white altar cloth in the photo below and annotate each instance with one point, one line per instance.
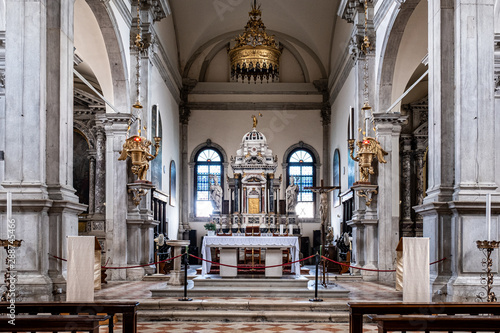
(249, 241)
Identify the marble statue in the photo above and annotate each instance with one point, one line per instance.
(323, 207)
(291, 196)
(216, 193)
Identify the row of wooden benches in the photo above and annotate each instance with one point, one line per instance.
(396, 316)
(46, 317)
(426, 317)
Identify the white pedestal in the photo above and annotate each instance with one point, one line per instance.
(176, 276)
(274, 257)
(228, 256)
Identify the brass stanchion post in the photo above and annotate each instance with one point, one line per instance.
(185, 298)
(316, 299)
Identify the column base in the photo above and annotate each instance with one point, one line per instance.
(176, 278)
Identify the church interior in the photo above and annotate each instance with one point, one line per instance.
(346, 128)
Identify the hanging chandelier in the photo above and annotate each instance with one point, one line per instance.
(137, 147)
(368, 148)
(256, 54)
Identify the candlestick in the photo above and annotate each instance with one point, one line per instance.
(488, 214)
(9, 206)
(157, 122)
(352, 123)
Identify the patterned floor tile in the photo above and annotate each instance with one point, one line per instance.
(185, 327)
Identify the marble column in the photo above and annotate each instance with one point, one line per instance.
(38, 139)
(100, 171)
(140, 232)
(419, 195)
(388, 128)
(407, 225)
(115, 125)
(462, 154)
(184, 114)
(91, 183)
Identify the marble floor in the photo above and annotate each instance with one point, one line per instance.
(185, 327)
(140, 290)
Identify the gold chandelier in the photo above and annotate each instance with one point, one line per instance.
(368, 148)
(137, 147)
(256, 54)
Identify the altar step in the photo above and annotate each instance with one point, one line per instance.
(251, 287)
(240, 310)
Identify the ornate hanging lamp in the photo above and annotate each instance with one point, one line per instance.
(137, 147)
(256, 54)
(368, 147)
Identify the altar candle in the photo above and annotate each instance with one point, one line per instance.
(290, 228)
(352, 123)
(157, 123)
(281, 229)
(9, 206)
(488, 214)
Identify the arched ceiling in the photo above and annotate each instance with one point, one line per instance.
(310, 22)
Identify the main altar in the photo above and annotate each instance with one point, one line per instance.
(254, 189)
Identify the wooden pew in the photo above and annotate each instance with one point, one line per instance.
(128, 309)
(43, 323)
(461, 323)
(358, 309)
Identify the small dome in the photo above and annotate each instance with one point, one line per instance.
(253, 136)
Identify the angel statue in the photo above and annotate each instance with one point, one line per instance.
(216, 193)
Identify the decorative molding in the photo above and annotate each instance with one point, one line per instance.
(124, 11)
(348, 8)
(254, 106)
(382, 11)
(76, 59)
(340, 76)
(497, 63)
(167, 70)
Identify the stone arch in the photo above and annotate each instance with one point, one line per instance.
(86, 132)
(208, 144)
(115, 50)
(301, 145)
(389, 51)
(222, 40)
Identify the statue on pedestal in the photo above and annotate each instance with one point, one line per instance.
(216, 193)
(291, 196)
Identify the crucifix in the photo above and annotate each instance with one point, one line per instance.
(324, 205)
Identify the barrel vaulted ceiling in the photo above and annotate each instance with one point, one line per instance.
(305, 28)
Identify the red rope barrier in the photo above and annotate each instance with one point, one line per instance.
(244, 267)
(105, 267)
(435, 262)
(375, 270)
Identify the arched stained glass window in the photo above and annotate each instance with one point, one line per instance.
(301, 168)
(208, 162)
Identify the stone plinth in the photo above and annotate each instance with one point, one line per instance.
(176, 278)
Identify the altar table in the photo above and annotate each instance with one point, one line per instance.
(250, 241)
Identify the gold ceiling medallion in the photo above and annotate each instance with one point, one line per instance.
(137, 146)
(368, 148)
(256, 54)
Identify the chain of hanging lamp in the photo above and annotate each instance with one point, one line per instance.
(368, 148)
(137, 147)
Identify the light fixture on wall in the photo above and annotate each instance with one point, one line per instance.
(256, 54)
(368, 147)
(137, 147)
